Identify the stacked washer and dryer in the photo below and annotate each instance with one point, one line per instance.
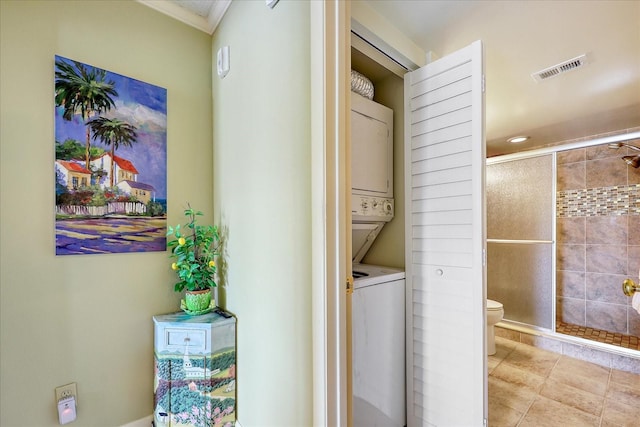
(378, 300)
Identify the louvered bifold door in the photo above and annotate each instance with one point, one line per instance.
(444, 183)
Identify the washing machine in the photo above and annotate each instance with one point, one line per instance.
(378, 346)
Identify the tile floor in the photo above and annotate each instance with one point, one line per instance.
(529, 386)
(621, 340)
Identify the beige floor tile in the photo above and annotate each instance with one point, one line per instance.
(514, 396)
(575, 393)
(518, 377)
(563, 373)
(504, 346)
(584, 368)
(503, 416)
(625, 378)
(492, 363)
(623, 394)
(549, 413)
(574, 397)
(532, 359)
(616, 413)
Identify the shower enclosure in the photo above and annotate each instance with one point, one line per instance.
(520, 242)
(563, 233)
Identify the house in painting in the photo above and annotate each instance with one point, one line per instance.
(73, 174)
(142, 192)
(124, 169)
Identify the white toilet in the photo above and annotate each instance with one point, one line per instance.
(495, 313)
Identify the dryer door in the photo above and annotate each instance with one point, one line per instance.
(362, 237)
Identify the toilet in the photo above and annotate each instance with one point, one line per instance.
(495, 313)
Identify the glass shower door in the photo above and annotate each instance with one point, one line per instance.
(520, 238)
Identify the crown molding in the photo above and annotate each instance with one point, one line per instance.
(207, 24)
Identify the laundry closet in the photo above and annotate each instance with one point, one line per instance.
(417, 307)
(377, 209)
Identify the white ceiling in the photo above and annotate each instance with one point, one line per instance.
(520, 38)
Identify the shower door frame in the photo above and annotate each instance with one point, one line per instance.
(529, 155)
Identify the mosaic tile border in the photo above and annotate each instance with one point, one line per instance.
(602, 201)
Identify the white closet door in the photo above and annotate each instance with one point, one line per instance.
(445, 241)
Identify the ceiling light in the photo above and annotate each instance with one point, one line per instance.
(517, 139)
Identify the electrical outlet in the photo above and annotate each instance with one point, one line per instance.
(69, 390)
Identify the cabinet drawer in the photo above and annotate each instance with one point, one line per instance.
(178, 338)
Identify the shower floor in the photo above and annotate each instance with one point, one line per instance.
(621, 340)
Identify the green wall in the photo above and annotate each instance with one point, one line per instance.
(262, 186)
(87, 319)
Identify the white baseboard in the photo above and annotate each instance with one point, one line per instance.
(146, 422)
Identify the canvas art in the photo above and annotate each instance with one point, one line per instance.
(110, 161)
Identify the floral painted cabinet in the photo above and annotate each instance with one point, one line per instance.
(195, 370)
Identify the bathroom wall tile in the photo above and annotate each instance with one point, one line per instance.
(571, 257)
(508, 334)
(612, 230)
(571, 230)
(610, 259)
(571, 156)
(605, 173)
(605, 288)
(573, 397)
(634, 230)
(633, 175)
(543, 410)
(542, 343)
(570, 284)
(588, 354)
(603, 152)
(571, 176)
(570, 310)
(610, 317)
(634, 262)
(627, 364)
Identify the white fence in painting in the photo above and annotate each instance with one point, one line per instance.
(110, 208)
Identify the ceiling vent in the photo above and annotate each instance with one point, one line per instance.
(557, 69)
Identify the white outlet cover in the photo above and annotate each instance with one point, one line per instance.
(67, 410)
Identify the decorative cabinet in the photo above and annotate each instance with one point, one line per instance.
(195, 370)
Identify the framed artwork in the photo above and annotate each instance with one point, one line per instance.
(110, 162)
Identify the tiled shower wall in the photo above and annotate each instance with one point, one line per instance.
(598, 238)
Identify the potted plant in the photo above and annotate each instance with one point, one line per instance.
(194, 248)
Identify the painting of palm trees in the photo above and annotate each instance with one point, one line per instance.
(110, 166)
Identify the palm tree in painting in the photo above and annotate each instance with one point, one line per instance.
(84, 91)
(115, 133)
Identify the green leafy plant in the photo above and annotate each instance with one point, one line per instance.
(194, 249)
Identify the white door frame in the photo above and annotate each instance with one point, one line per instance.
(329, 46)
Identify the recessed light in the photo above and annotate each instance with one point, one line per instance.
(517, 139)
